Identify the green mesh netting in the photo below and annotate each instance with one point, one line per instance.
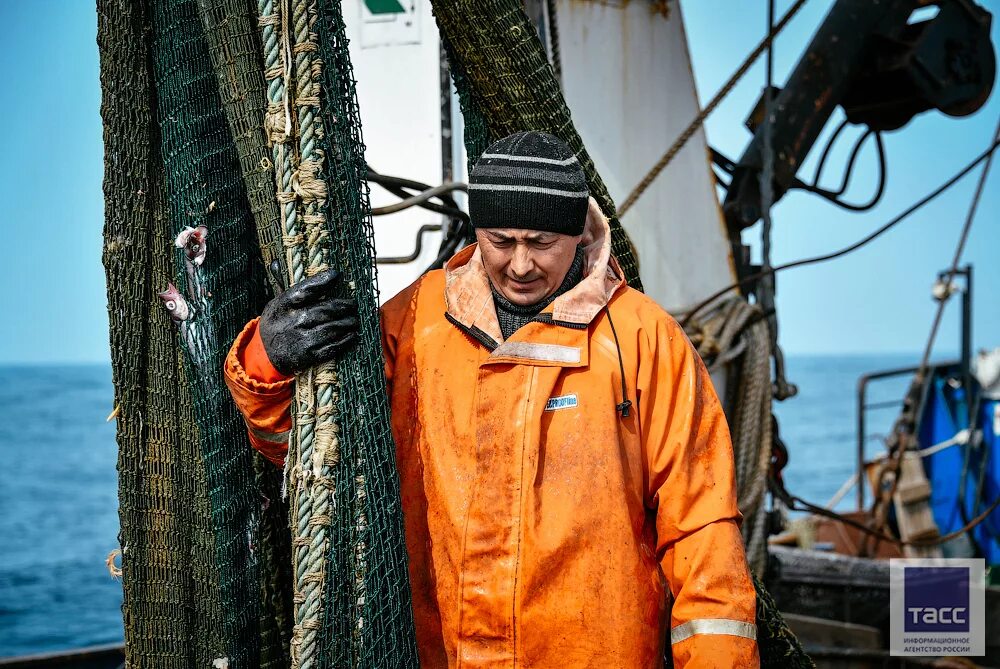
(506, 85)
(207, 564)
(776, 643)
(171, 608)
(171, 162)
(231, 34)
(369, 618)
(202, 170)
(233, 37)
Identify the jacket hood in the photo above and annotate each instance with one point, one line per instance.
(470, 300)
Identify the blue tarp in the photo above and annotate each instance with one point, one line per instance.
(960, 471)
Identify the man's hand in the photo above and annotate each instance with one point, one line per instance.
(306, 325)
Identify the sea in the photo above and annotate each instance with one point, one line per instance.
(58, 485)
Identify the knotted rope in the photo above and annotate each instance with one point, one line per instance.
(290, 62)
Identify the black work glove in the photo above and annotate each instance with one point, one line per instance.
(306, 325)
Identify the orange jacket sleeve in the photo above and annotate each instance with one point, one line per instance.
(692, 488)
(262, 394)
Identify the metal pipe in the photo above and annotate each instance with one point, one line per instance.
(967, 334)
(862, 389)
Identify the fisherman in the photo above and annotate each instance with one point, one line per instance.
(566, 468)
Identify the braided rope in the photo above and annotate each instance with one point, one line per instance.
(312, 475)
(292, 72)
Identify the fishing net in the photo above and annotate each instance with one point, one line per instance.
(347, 517)
(194, 198)
(234, 43)
(505, 85)
(171, 607)
(205, 188)
(171, 164)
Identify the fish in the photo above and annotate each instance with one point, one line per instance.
(175, 303)
(193, 241)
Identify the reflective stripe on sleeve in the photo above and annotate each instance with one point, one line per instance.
(273, 437)
(713, 626)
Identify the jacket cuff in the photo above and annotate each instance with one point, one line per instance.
(248, 363)
(719, 649)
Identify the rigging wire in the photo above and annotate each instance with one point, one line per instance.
(826, 151)
(834, 196)
(460, 230)
(767, 171)
(959, 249)
(795, 503)
(709, 108)
(399, 187)
(402, 260)
(973, 443)
(782, 389)
(850, 164)
(853, 247)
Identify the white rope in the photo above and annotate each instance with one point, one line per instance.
(845, 488)
(960, 439)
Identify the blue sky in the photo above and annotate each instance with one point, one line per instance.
(877, 300)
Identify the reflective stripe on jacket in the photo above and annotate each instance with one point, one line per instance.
(545, 529)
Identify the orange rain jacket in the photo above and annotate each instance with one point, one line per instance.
(544, 529)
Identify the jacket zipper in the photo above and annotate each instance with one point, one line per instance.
(475, 333)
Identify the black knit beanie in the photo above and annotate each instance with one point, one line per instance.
(531, 181)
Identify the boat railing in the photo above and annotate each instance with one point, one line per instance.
(863, 406)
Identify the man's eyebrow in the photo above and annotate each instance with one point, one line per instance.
(541, 237)
(534, 237)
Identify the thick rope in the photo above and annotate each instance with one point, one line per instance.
(292, 72)
(312, 476)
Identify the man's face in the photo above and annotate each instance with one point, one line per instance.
(526, 266)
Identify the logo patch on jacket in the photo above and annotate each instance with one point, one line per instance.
(561, 402)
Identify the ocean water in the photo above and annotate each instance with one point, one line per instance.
(58, 494)
(818, 425)
(58, 509)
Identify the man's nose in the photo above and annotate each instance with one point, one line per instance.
(521, 263)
